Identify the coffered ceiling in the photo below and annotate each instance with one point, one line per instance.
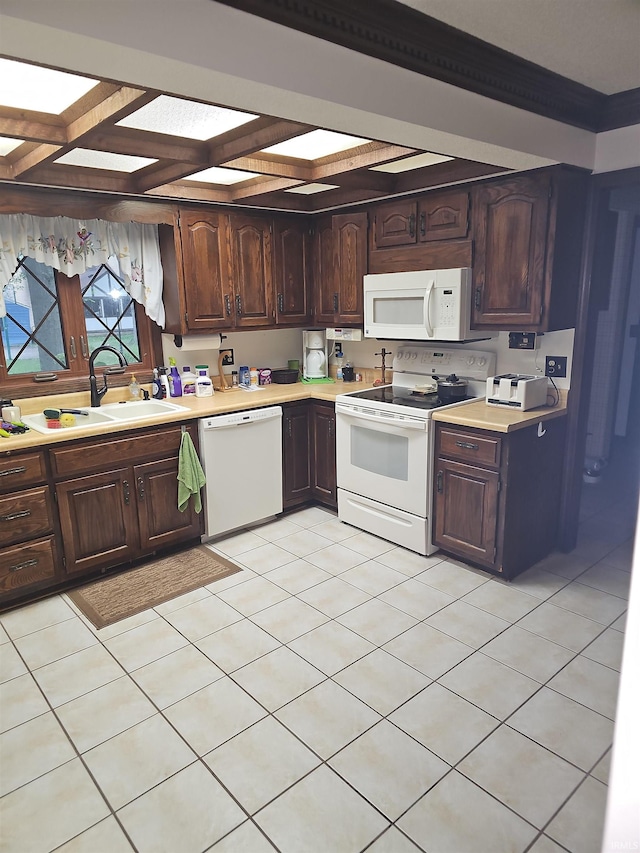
(65, 130)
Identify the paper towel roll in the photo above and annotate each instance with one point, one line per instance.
(188, 343)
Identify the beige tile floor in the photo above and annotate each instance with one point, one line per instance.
(338, 695)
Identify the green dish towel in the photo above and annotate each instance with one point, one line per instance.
(190, 475)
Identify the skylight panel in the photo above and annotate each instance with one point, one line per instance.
(417, 161)
(189, 119)
(315, 144)
(310, 189)
(7, 145)
(29, 87)
(104, 160)
(217, 175)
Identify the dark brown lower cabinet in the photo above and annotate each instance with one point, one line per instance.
(497, 495)
(324, 484)
(111, 517)
(309, 453)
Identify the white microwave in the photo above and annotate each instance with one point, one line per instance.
(423, 305)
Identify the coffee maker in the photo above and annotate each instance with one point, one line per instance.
(315, 364)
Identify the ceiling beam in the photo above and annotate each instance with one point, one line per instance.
(255, 136)
(30, 126)
(259, 187)
(363, 157)
(141, 143)
(282, 168)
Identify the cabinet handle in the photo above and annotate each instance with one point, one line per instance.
(423, 224)
(83, 347)
(239, 305)
(280, 303)
(140, 482)
(72, 346)
(467, 445)
(289, 427)
(13, 515)
(478, 297)
(330, 428)
(440, 481)
(335, 302)
(125, 491)
(28, 564)
(227, 304)
(412, 225)
(10, 471)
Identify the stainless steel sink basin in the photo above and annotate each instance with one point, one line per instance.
(135, 410)
(94, 417)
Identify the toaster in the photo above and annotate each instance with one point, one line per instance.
(517, 391)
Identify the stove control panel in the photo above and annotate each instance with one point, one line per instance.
(430, 360)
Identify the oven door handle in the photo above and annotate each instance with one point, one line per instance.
(398, 423)
(427, 308)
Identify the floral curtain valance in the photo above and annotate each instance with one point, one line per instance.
(73, 246)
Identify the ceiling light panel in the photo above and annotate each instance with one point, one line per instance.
(29, 87)
(190, 119)
(310, 189)
(217, 175)
(315, 144)
(417, 161)
(104, 160)
(7, 145)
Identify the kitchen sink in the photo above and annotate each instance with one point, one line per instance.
(135, 410)
(120, 413)
(94, 417)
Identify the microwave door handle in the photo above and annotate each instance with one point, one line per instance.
(427, 309)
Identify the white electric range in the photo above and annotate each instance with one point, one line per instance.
(384, 442)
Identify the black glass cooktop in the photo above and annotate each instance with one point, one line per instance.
(402, 397)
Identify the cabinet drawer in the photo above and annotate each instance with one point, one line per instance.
(26, 469)
(470, 447)
(28, 564)
(25, 515)
(101, 456)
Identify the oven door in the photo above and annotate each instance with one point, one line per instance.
(383, 456)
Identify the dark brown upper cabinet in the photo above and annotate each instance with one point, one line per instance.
(527, 236)
(340, 263)
(292, 271)
(252, 270)
(405, 222)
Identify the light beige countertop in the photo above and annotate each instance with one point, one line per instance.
(220, 403)
(478, 414)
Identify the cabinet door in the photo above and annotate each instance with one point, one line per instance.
(466, 510)
(324, 454)
(161, 522)
(251, 265)
(394, 224)
(291, 265)
(296, 458)
(443, 216)
(350, 235)
(510, 241)
(208, 292)
(98, 520)
(325, 301)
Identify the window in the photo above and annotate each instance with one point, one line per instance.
(54, 323)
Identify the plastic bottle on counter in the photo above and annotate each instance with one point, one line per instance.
(234, 378)
(175, 385)
(204, 385)
(339, 358)
(164, 382)
(188, 379)
(156, 386)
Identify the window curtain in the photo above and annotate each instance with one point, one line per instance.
(73, 246)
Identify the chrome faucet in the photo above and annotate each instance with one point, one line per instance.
(96, 393)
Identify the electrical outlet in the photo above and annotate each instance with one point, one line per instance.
(227, 358)
(555, 365)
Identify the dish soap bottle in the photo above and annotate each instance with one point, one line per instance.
(134, 388)
(164, 382)
(156, 386)
(175, 385)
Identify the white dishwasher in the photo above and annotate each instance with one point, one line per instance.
(241, 454)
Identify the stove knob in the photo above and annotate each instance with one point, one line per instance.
(482, 362)
(471, 360)
(414, 355)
